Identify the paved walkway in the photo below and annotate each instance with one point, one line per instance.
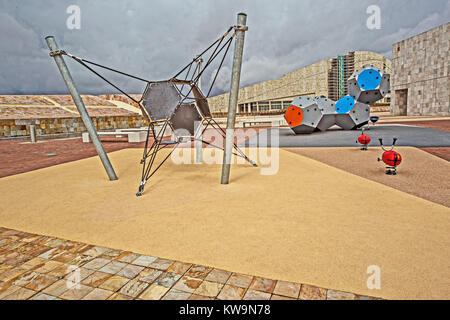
(412, 136)
(34, 267)
(19, 156)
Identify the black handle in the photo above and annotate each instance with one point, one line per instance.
(381, 141)
(393, 142)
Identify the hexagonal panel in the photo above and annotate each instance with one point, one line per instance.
(344, 105)
(160, 99)
(327, 121)
(385, 85)
(360, 114)
(345, 121)
(309, 115)
(303, 101)
(184, 117)
(201, 101)
(311, 118)
(369, 84)
(327, 108)
(356, 117)
(293, 116)
(350, 113)
(369, 79)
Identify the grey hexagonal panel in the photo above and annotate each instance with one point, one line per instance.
(376, 91)
(201, 101)
(303, 101)
(184, 118)
(345, 121)
(385, 86)
(311, 118)
(327, 108)
(369, 97)
(160, 99)
(327, 121)
(360, 114)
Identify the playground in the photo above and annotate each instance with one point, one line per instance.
(331, 218)
(168, 194)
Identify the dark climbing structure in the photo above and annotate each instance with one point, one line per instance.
(177, 103)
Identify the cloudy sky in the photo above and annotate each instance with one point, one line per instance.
(153, 39)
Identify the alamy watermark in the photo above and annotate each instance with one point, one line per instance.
(262, 148)
(74, 19)
(374, 280)
(374, 20)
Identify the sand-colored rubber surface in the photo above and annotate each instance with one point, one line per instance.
(310, 223)
(420, 173)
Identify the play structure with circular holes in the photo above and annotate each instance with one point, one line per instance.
(366, 86)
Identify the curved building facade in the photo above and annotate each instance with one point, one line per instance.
(326, 77)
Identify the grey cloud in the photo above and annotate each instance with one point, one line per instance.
(153, 39)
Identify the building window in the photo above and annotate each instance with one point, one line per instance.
(264, 106)
(276, 105)
(253, 107)
(286, 104)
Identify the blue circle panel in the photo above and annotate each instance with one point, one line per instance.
(369, 79)
(345, 104)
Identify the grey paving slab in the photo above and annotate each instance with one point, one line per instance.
(407, 136)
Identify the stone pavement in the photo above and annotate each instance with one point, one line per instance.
(34, 267)
(19, 156)
(413, 136)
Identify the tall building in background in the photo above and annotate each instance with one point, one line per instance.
(420, 78)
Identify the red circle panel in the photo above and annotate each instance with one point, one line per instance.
(294, 116)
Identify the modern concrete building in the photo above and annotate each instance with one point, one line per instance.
(420, 79)
(327, 78)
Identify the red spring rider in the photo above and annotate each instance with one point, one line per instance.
(364, 140)
(391, 158)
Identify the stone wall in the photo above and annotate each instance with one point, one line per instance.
(56, 114)
(421, 71)
(72, 125)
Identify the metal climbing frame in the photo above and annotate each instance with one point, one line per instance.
(181, 120)
(176, 104)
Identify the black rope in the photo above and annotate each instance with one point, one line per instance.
(185, 78)
(195, 80)
(198, 56)
(204, 51)
(106, 80)
(218, 70)
(212, 58)
(114, 70)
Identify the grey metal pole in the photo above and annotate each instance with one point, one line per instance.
(56, 54)
(33, 133)
(199, 68)
(199, 128)
(234, 92)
